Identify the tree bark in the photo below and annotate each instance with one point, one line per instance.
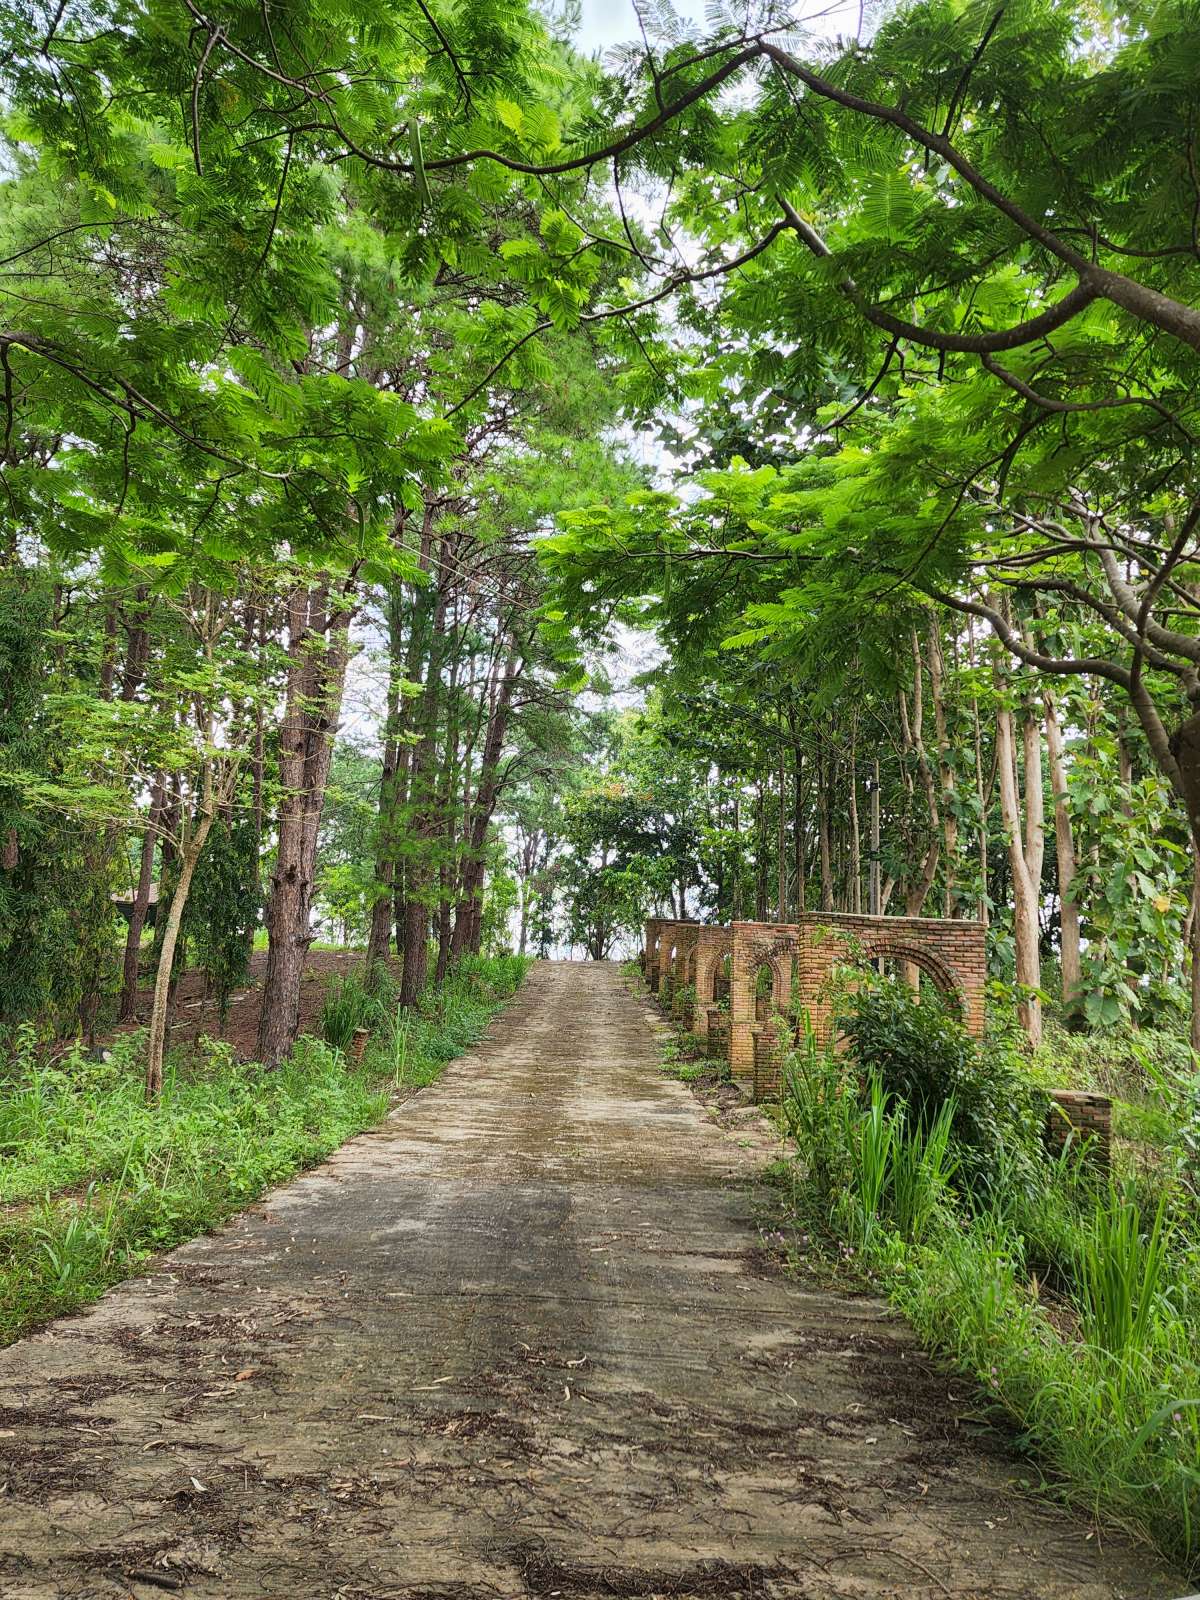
(1064, 843)
(1026, 890)
(192, 850)
(317, 656)
(140, 906)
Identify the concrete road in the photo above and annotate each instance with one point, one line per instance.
(519, 1341)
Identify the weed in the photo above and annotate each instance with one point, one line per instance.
(103, 1180)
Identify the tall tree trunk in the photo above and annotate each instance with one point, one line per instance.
(1064, 843)
(781, 840)
(823, 832)
(318, 651)
(855, 835)
(937, 692)
(470, 911)
(193, 847)
(1026, 887)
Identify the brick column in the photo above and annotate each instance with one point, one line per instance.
(743, 967)
(654, 926)
(768, 1062)
(718, 1033)
(711, 945)
(1083, 1118)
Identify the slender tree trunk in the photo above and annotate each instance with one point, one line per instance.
(140, 906)
(1026, 890)
(470, 913)
(1064, 842)
(801, 889)
(937, 691)
(192, 849)
(855, 836)
(317, 658)
(823, 832)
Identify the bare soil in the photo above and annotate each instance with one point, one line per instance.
(519, 1341)
(194, 1014)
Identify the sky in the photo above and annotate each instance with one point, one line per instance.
(609, 22)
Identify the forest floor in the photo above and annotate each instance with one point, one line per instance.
(194, 1014)
(521, 1340)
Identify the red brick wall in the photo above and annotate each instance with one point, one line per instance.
(712, 946)
(1082, 1116)
(948, 952)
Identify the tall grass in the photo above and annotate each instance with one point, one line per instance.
(93, 1180)
(1074, 1302)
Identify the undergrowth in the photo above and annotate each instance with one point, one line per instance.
(1070, 1295)
(93, 1181)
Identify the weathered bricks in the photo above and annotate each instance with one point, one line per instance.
(803, 957)
(1079, 1116)
(712, 946)
(718, 1033)
(768, 1061)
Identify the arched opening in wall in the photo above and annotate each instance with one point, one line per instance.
(907, 965)
(691, 967)
(764, 992)
(722, 976)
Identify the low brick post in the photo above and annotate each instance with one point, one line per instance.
(718, 1033)
(768, 1062)
(1085, 1118)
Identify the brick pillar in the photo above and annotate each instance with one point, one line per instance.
(743, 967)
(654, 926)
(666, 960)
(1085, 1119)
(718, 1033)
(768, 1062)
(712, 944)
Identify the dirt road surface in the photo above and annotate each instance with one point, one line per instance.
(519, 1341)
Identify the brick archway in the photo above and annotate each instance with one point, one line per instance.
(713, 945)
(755, 945)
(942, 977)
(951, 953)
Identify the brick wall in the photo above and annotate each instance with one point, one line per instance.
(654, 927)
(768, 1061)
(755, 945)
(717, 1022)
(803, 956)
(1076, 1114)
(686, 934)
(712, 946)
(950, 953)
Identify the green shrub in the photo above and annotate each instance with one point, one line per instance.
(926, 1059)
(350, 1005)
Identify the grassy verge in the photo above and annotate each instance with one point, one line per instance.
(93, 1181)
(1071, 1297)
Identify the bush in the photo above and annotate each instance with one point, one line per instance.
(349, 1006)
(925, 1058)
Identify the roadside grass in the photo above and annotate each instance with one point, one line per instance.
(1070, 1296)
(93, 1181)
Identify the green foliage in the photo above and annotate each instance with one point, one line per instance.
(221, 1133)
(350, 1006)
(57, 945)
(1072, 1303)
(223, 906)
(926, 1058)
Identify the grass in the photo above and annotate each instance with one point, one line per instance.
(93, 1181)
(1072, 1299)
